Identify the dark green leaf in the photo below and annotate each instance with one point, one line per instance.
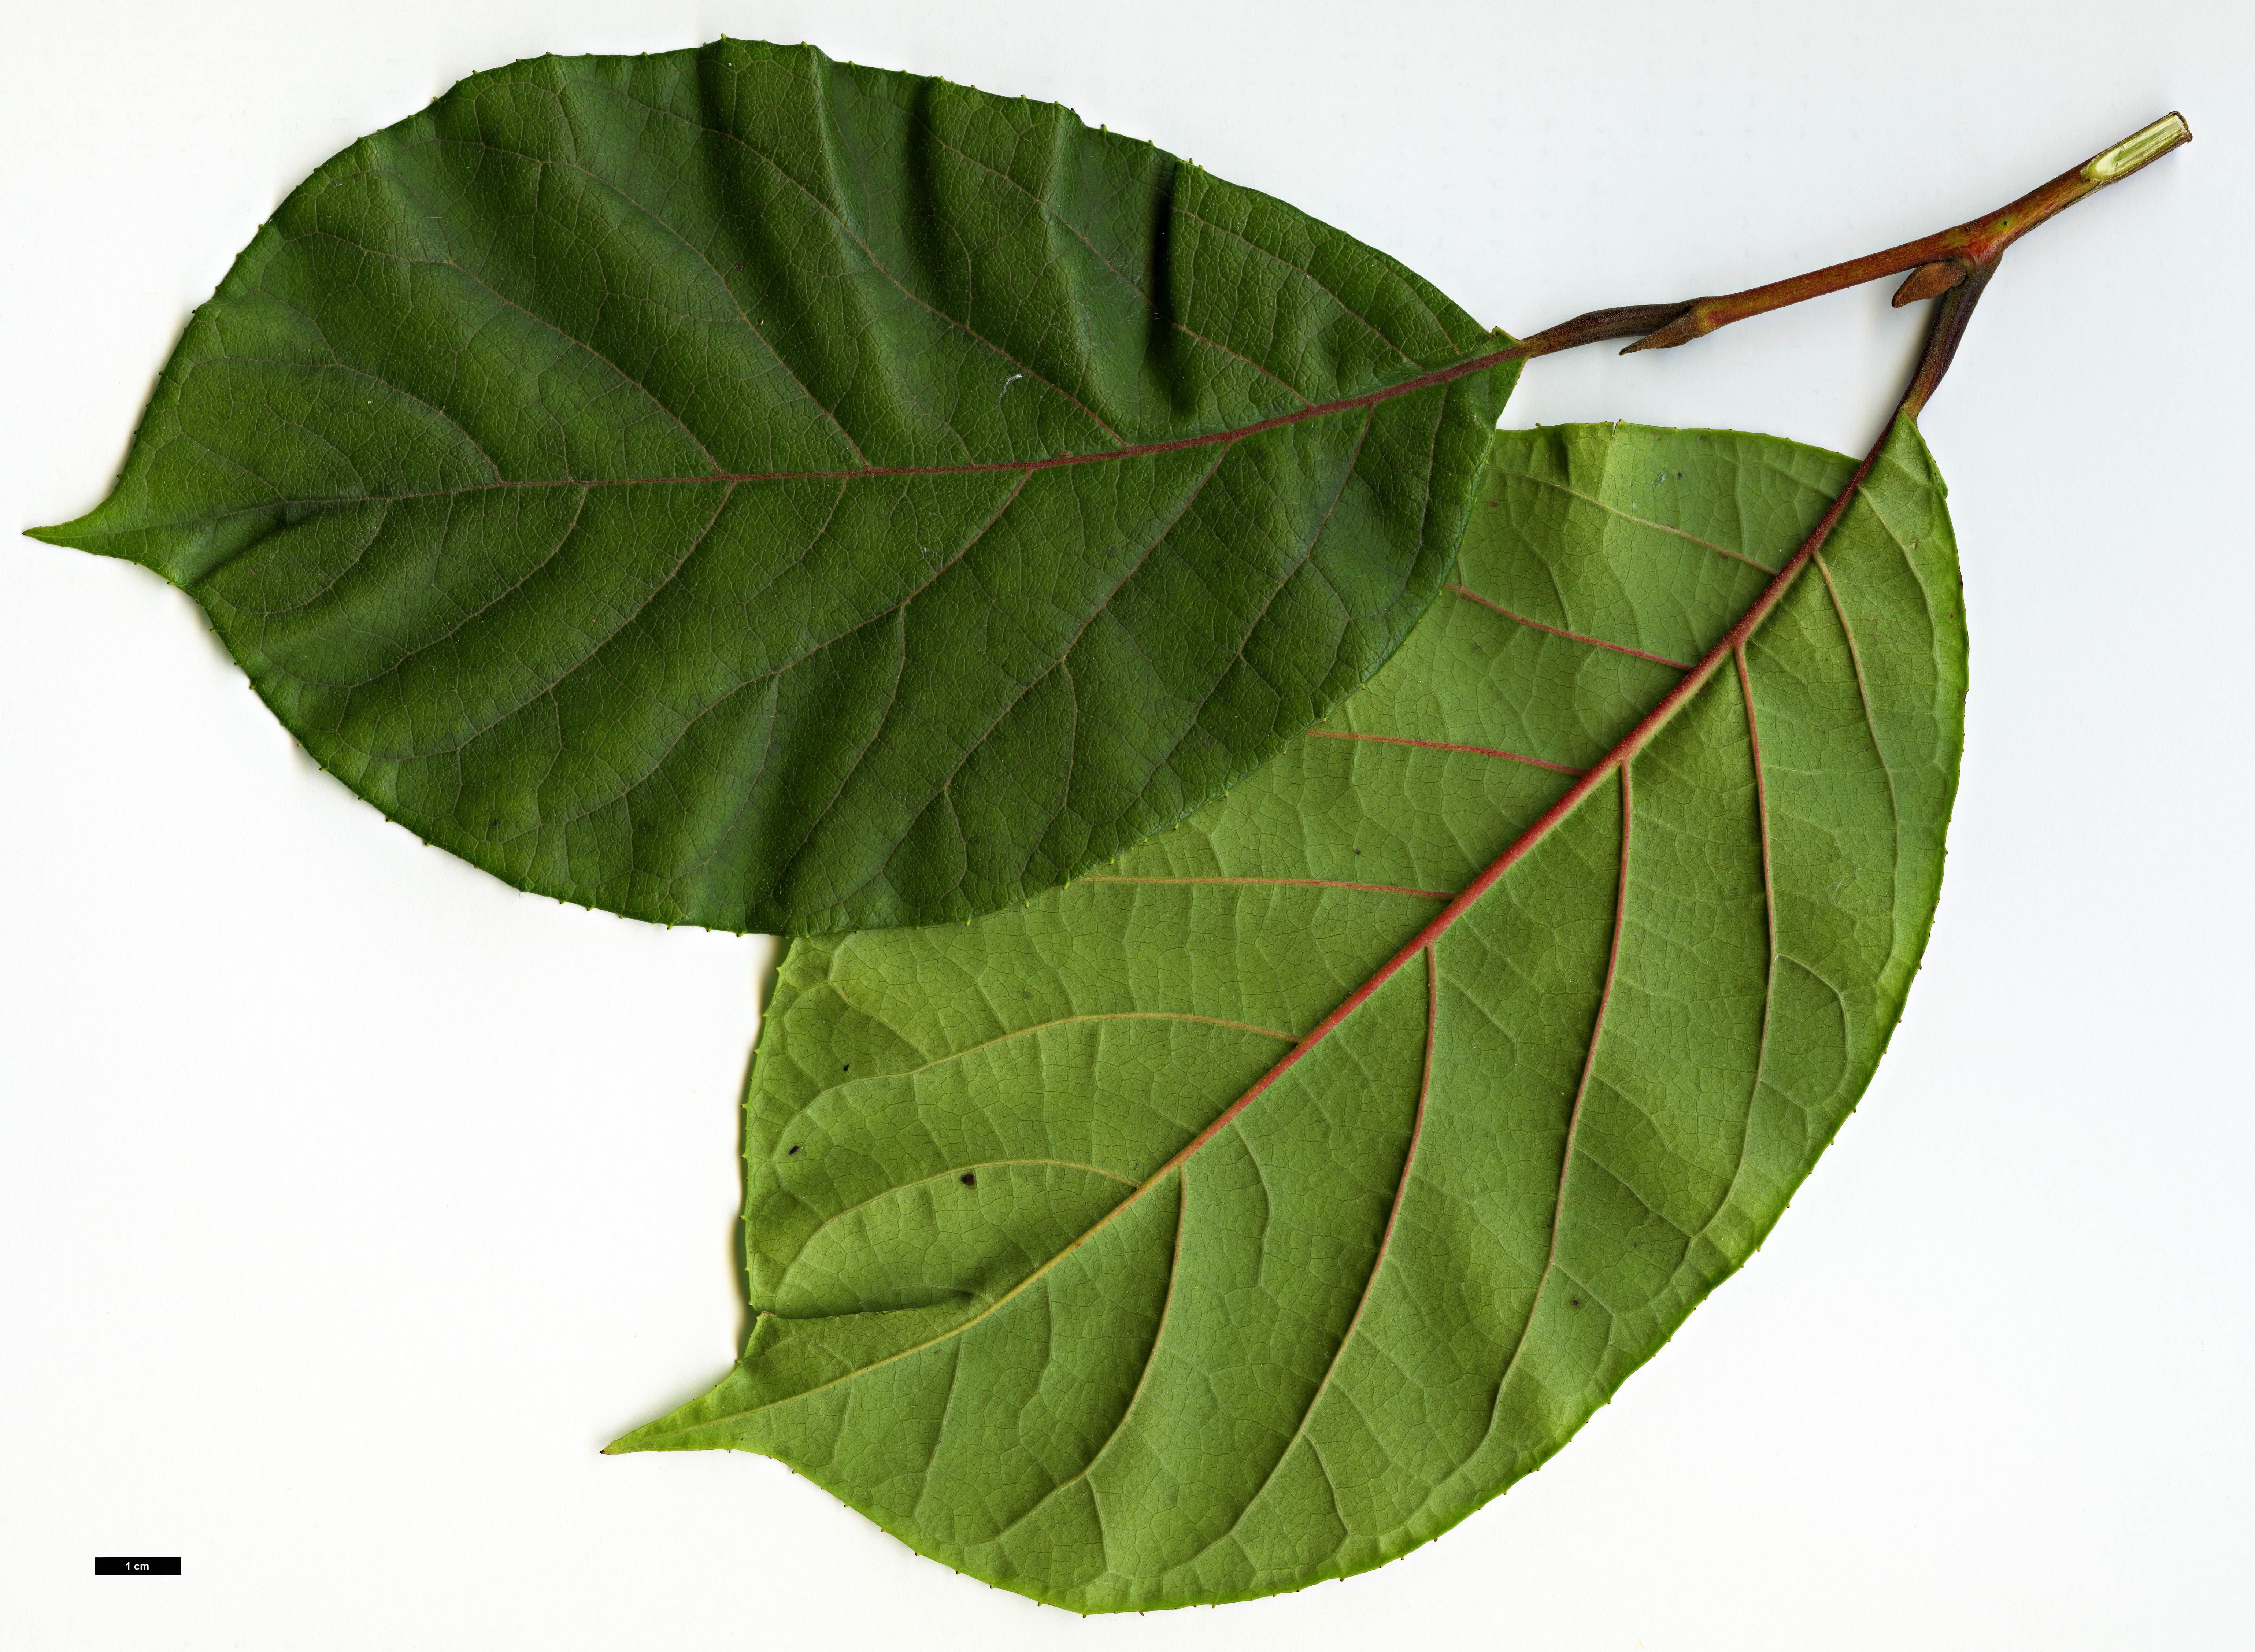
(732, 487)
(1066, 1279)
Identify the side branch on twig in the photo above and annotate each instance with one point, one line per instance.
(1948, 260)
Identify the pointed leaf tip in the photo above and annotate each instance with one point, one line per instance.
(875, 737)
(1213, 1326)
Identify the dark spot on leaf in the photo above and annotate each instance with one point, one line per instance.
(847, 1067)
(970, 1179)
(1577, 1301)
(794, 1149)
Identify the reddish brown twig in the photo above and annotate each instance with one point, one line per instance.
(1938, 263)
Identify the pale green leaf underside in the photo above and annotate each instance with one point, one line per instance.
(717, 486)
(1023, 1305)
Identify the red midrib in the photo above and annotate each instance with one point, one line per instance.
(1634, 741)
(1136, 450)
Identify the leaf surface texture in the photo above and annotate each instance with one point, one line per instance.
(1059, 1281)
(733, 488)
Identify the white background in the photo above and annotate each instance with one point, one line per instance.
(351, 1200)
